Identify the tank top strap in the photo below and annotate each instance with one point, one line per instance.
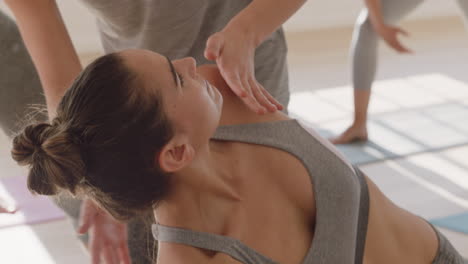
(227, 245)
(274, 134)
(363, 217)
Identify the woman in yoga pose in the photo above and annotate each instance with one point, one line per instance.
(243, 37)
(138, 132)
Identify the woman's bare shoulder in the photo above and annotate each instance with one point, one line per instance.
(234, 110)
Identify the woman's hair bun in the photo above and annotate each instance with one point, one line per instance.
(29, 143)
(53, 156)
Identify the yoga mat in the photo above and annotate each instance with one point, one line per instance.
(407, 116)
(405, 132)
(458, 222)
(31, 209)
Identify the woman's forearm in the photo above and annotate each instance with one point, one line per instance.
(49, 45)
(262, 17)
(375, 12)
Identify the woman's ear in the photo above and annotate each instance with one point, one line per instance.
(175, 155)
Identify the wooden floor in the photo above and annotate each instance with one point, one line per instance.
(318, 60)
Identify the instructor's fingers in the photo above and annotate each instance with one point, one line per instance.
(110, 255)
(273, 100)
(95, 251)
(257, 91)
(235, 84)
(124, 253)
(87, 216)
(214, 46)
(251, 101)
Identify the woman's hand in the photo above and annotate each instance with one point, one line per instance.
(107, 237)
(234, 53)
(390, 35)
(6, 207)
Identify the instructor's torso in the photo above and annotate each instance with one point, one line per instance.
(180, 28)
(175, 28)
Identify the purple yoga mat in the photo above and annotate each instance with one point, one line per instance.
(32, 209)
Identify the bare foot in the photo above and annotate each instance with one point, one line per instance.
(352, 134)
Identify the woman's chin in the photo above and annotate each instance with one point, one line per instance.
(208, 71)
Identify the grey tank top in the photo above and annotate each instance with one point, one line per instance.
(180, 28)
(341, 198)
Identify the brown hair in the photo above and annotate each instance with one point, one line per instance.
(102, 142)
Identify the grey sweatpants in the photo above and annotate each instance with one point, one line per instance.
(365, 39)
(19, 90)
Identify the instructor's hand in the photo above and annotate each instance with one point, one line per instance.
(234, 54)
(390, 35)
(107, 237)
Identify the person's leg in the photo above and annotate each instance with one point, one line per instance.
(19, 84)
(463, 4)
(364, 63)
(142, 246)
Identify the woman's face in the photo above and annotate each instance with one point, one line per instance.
(192, 105)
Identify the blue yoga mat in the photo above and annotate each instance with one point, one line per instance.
(394, 134)
(458, 222)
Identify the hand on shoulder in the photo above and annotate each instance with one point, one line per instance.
(234, 109)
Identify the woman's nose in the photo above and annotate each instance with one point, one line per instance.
(189, 64)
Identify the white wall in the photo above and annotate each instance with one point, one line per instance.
(315, 14)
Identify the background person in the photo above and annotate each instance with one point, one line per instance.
(377, 20)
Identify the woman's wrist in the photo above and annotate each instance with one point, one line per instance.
(378, 25)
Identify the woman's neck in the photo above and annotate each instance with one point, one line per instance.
(203, 195)
(211, 189)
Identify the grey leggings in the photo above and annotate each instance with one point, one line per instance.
(365, 39)
(19, 83)
(19, 89)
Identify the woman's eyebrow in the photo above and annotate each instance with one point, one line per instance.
(174, 74)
